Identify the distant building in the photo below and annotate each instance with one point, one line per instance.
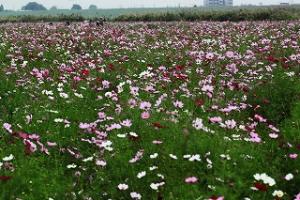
(217, 3)
(284, 4)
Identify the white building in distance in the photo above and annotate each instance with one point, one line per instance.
(218, 3)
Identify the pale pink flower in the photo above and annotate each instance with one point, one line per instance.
(132, 103)
(215, 119)
(231, 124)
(101, 163)
(273, 135)
(260, 118)
(101, 115)
(297, 197)
(7, 127)
(178, 104)
(210, 56)
(145, 115)
(145, 105)
(293, 156)
(229, 54)
(105, 84)
(126, 123)
(191, 180)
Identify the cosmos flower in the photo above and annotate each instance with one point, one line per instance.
(265, 179)
(123, 186)
(141, 174)
(297, 197)
(145, 115)
(278, 193)
(230, 124)
(191, 180)
(145, 105)
(293, 156)
(8, 158)
(135, 195)
(7, 127)
(289, 177)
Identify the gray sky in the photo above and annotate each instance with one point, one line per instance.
(17, 4)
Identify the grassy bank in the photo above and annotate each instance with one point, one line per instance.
(159, 14)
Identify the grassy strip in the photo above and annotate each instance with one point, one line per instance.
(195, 14)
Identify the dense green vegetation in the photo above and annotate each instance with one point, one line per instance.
(157, 14)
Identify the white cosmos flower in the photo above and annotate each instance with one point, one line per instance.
(8, 158)
(265, 178)
(278, 193)
(88, 159)
(71, 166)
(153, 168)
(289, 177)
(141, 174)
(173, 156)
(63, 95)
(123, 186)
(153, 156)
(135, 195)
(155, 186)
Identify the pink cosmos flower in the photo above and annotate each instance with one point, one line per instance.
(293, 156)
(132, 103)
(260, 118)
(178, 104)
(105, 84)
(255, 137)
(138, 156)
(297, 197)
(215, 119)
(145, 105)
(30, 147)
(231, 124)
(191, 180)
(101, 115)
(145, 115)
(76, 78)
(229, 54)
(84, 126)
(126, 123)
(232, 68)
(210, 56)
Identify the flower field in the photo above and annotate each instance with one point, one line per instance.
(162, 111)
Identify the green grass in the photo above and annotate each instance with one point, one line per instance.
(237, 13)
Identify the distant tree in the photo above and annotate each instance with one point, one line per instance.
(1, 8)
(34, 6)
(53, 8)
(76, 7)
(93, 7)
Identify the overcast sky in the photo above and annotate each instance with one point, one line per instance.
(17, 4)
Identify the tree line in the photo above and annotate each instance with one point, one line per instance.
(34, 6)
